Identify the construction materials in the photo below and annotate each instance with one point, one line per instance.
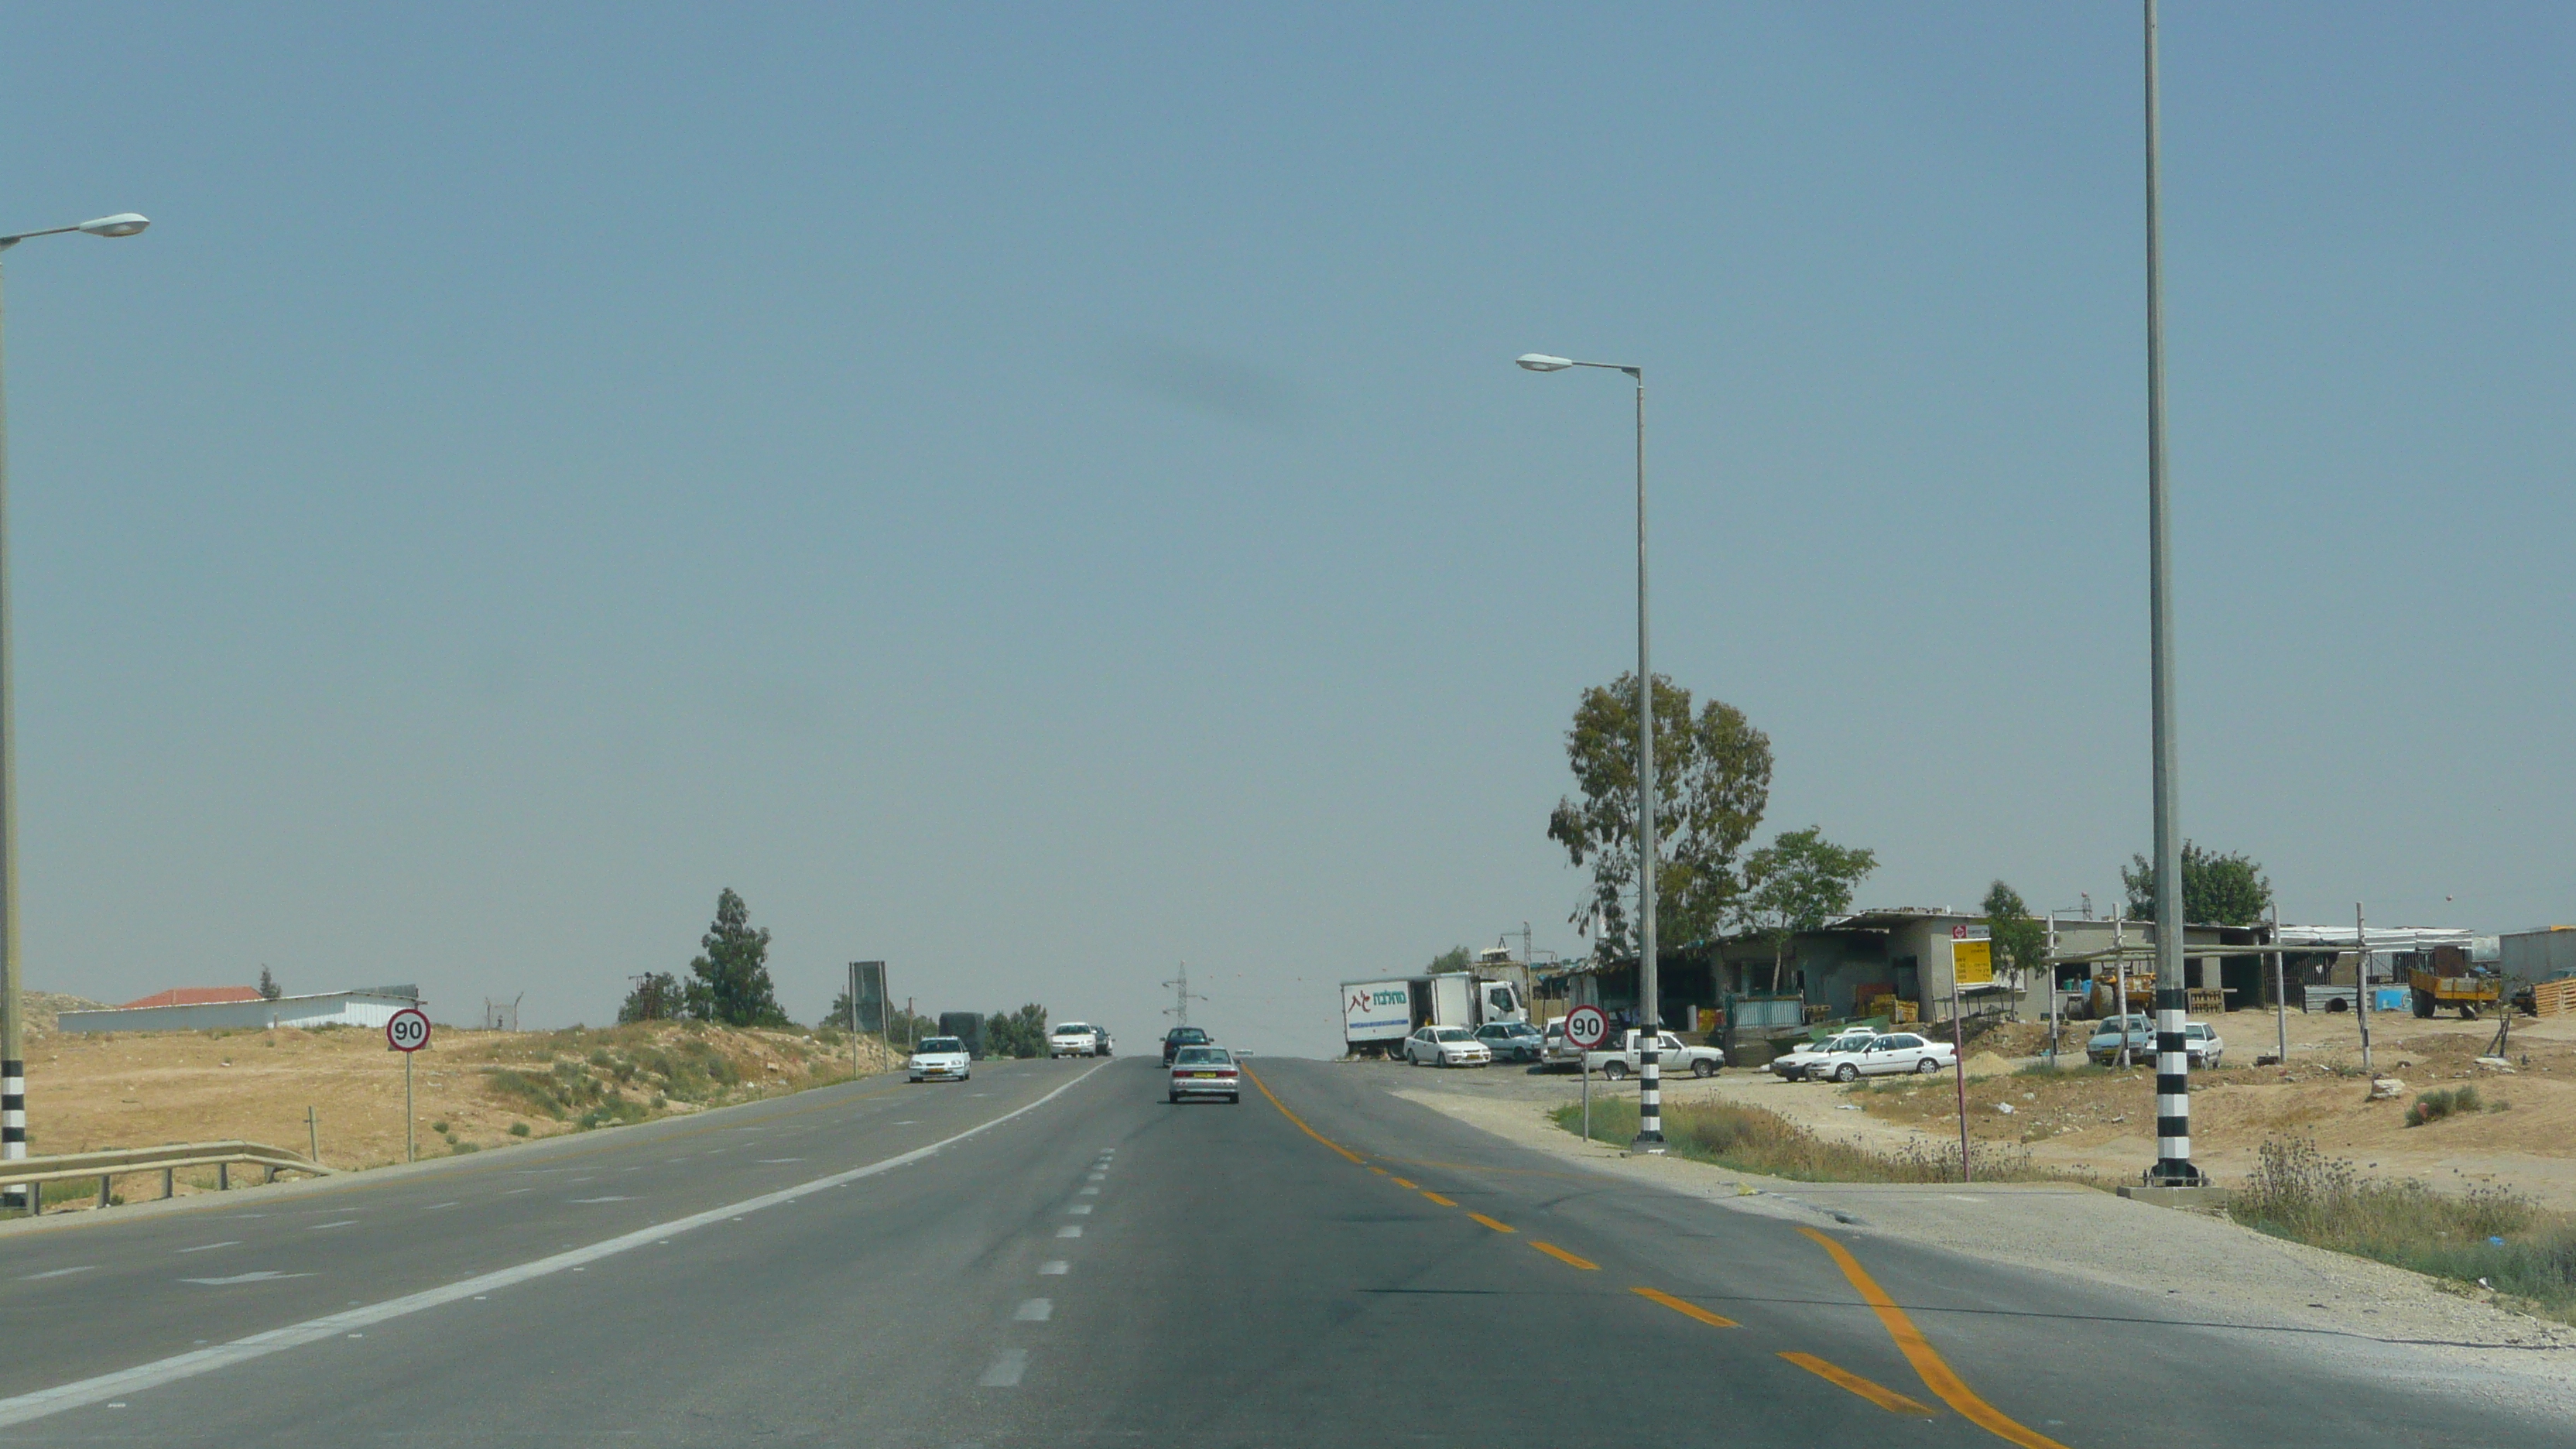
(2554, 998)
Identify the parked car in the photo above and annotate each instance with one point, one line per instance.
(1511, 1041)
(1102, 1043)
(2202, 1043)
(1073, 1039)
(1206, 1071)
(1446, 1046)
(1792, 1066)
(940, 1059)
(1179, 1037)
(1891, 1054)
(1673, 1057)
(1555, 1052)
(2138, 1028)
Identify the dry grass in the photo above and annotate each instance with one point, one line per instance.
(1751, 1139)
(2489, 1237)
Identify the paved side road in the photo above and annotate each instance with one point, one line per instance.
(1322, 1263)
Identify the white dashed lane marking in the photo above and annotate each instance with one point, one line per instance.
(209, 1247)
(1005, 1370)
(1035, 1310)
(1070, 1231)
(1054, 1267)
(57, 1273)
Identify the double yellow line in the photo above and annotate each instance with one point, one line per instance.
(1936, 1373)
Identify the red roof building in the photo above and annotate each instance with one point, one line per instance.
(198, 996)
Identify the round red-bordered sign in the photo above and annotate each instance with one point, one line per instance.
(408, 1030)
(1587, 1027)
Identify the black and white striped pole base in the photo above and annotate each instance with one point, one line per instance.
(2173, 1096)
(1650, 1096)
(13, 1131)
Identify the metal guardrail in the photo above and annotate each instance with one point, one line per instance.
(116, 1162)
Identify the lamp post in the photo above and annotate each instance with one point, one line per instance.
(13, 1055)
(2173, 1167)
(1650, 1095)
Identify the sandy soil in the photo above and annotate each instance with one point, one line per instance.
(2104, 1124)
(137, 1089)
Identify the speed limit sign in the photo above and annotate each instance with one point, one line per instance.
(408, 1031)
(1587, 1027)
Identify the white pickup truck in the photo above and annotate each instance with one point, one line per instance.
(1673, 1057)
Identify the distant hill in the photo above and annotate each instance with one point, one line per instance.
(43, 1007)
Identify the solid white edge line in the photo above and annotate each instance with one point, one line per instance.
(83, 1392)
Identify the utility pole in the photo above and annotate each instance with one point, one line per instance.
(2361, 983)
(2054, 1025)
(854, 1021)
(2280, 990)
(2173, 1166)
(1182, 997)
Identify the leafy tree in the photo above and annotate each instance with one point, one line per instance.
(1712, 782)
(2217, 890)
(657, 997)
(906, 1027)
(2020, 943)
(731, 982)
(269, 990)
(1797, 883)
(1021, 1033)
(1456, 958)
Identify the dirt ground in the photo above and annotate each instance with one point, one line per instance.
(2103, 1122)
(471, 1089)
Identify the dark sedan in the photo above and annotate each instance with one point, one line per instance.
(1179, 1037)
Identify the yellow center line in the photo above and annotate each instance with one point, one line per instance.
(1435, 1197)
(1300, 1121)
(1687, 1308)
(1489, 1222)
(1886, 1398)
(1400, 1182)
(1562, 1256)
(1918, 1351)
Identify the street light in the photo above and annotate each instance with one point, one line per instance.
(1650, 1093)
(13, 1055)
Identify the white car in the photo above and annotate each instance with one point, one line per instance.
(2202, 1043)
(1074, 1039)
(1890, 1055)
(940, 1059)
(1794, 1065)
(1446, 1046)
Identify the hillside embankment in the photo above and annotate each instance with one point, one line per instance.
(473, 1091)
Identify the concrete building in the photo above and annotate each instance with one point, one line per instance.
(184, 1010)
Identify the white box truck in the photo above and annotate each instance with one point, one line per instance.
(1379, 1015)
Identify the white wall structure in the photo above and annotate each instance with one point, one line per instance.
(371, 1008)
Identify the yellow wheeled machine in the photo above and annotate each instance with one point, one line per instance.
(2472, 993)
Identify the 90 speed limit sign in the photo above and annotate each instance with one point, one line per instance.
(1587, 1027)
(408, 1031)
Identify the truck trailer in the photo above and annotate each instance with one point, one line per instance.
(1378, 1015)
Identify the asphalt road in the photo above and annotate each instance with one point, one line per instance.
(1091, 1264)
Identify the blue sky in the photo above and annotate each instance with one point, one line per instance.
(1038, 495)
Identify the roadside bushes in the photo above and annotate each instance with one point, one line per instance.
(2490, 1236)
(1752, 1139)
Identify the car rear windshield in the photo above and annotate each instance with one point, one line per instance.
(934, 1044)
(1452, 1034)
(1073, 1028)
(1188, 1033)
(1203, 1056)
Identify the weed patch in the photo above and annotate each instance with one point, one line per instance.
(1752, 1139)
(2489, 1237)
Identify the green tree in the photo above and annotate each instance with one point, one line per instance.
(2217, 890)
(1021, 1033)
(1456, 958)
(657, 997)
(1797, 883)
(731, 981)
(1712, 782)
(269, 990)
(2020, 943)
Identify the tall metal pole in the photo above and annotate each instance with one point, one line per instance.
(1650, 1093)
(13, 1050)
(2361, 983)
(2280, 991)
(2173, 1064)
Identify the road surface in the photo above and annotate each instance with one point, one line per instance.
(1052, 1254)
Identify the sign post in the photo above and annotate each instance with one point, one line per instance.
(408, 1032)
(1972, 958)
(1586, 1027)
